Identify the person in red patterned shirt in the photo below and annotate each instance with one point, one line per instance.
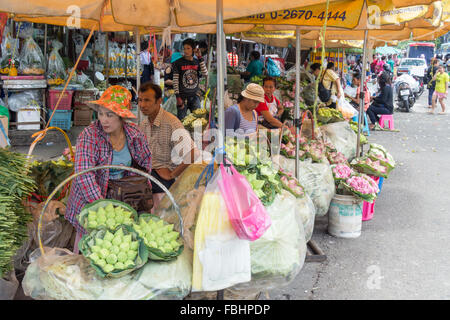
(109, 140)
(233, 58)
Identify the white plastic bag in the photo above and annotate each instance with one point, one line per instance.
(342, 136)
(221, 259)
(346, 108)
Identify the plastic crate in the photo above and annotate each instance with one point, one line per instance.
(82, 116)
(64, 104)
(82, 97)
(61, 119)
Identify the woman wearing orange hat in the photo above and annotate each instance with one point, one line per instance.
(109, 140)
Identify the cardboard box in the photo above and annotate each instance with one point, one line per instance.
(3, 141)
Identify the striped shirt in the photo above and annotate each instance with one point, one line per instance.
(186, 74)
(169, 141)
(94, 149)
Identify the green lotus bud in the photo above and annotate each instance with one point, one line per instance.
(111, 222)
(153, 244)
(117, 241)
(103, 253)
(101, 263)
(127, 238)
(129, 264)
(147, 229)
(158, 233)
(110, 214)
(119, 266)
(101, 219)
(109, 207)
(119, 233)
(108, 268)
(132, 255)
(175, 245)
(92, 224)
(160, 223)
(94, 257)
(107, 244)
(127, 214)
(92, 215)
(99, 242)
(169, 228)
(168, 247)
(96, 248)
(115, 249)
(160, 242)
(119, 218)
(151, 237)
(108, 236)
(134, 245)
(111, 259)
(101, 212)
(124, 246)
(122, 257)
(173, 235)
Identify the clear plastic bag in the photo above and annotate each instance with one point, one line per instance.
(341, 135)
(279, 255)
(8, 51)
(31, 59)
(56, 72)
(245, 211)
(25, 99)
(221, 259)
(62, 275)
(171, 105)
(346, 108)
(8, 286)
(306, 210)
(188, 202)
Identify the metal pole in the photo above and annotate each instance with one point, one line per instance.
(297, 100)
(126, 57)
(107, 58)
(45, 42)
(138, 67)
(220, 75)
(361, 103)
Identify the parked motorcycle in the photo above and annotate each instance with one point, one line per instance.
(421, 86)
(404, 95)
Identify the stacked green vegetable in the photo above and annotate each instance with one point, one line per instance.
(362, 137)
(329, 115)
(15, 187)
(162, 241)
(106, 213)
(114, 254)
(198, 118)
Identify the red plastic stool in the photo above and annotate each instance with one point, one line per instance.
(389, 118)
(368, 210)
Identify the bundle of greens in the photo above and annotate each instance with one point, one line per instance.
(15, 187)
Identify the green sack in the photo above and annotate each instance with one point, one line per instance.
(4, 112)
(156, 253)
(102, 203)
(88, 242)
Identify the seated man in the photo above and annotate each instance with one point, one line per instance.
(171, 145)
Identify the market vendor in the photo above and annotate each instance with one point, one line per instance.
(110, 140)
(355, 100)
(270, 111)
(168, 75)
(242, 118)
(255, 67)
(383, 102)
(171, 144)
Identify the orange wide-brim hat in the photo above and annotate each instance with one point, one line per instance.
(117, 99)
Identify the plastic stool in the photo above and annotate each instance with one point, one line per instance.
(368, 210)
(390, 120)
(380, 184)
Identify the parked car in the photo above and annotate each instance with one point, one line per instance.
(412, 66)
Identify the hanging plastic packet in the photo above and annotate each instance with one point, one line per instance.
(56, 72)
(31, 59)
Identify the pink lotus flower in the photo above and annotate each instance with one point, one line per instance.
(342, 171)
(361, 185)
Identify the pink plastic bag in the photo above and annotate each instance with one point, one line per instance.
(247, 214)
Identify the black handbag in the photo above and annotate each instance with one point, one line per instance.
(133, 190)
(324, 93)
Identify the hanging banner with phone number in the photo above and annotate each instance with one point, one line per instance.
(344, 14)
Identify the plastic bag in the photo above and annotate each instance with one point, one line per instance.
(8, 51)
(188, 202)
(25, 99)
(8, 286)
(272, 68)
(171, 105)
(221, 259)
(62, 275)
(31, 59)
(341, 135)
(346, 108)
(245, 211)
(278, 256)
(56, 72)
(306, 210)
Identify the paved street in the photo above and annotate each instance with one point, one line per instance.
(402, 252)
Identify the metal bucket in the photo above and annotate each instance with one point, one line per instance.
(345, 216)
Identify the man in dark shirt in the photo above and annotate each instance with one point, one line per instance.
(431, 84)
(186, 74)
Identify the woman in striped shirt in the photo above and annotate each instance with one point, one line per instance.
(242, 118)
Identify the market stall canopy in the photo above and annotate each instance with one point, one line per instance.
(387, 50)
(156, 13)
